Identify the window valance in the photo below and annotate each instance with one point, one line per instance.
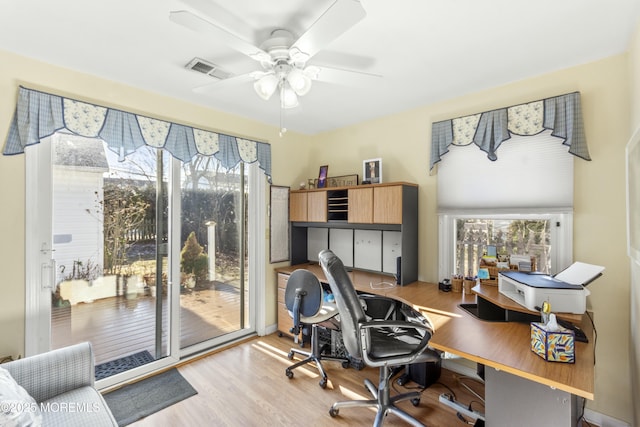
(39, 115)
(561, 114)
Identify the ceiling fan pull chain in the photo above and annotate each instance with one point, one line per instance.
(283, 129)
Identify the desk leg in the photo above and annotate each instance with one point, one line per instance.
(515, 401)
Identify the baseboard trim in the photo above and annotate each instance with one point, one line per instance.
(602, 420)
(271, 329)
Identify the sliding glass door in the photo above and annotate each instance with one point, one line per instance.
(145, 257)
(109, 239)
(214, 291)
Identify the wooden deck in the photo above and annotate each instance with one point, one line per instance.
(118, 327)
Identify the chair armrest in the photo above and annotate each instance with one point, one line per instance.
(379, 307)
(411, 353)
(395, 310)
(49, 374)
(380, 324)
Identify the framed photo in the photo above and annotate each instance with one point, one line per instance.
(342, 181)
(372, 171)
(322, 176)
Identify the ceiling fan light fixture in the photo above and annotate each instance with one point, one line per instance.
(265, 86)
(298, 56)
(312, 72)
(299, 81)
(288, 97)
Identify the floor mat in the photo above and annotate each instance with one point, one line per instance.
(138, 400)
(113, 367)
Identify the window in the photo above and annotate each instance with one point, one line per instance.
(521, 203)
(142, 202)
(544, 236)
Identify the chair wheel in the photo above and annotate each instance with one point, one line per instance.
(356, 364)
(416, 401)
(289, 373)
(290, 355)
(323, 383)
(333, 412)
(345, 364)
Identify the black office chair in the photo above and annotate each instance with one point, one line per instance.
(379, 343)
(304, 300)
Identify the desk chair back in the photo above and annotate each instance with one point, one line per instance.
(380, 343)
(304, 301)
(347, 301)
(302, 296)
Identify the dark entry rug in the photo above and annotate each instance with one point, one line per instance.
(113, 367)
(138, 400)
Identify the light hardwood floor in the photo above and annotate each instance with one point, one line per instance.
(246, 386)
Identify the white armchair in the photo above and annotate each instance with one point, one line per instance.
(62, 383)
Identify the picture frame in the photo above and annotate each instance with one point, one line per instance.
(372, 171)
(343, 180)
(322, 176)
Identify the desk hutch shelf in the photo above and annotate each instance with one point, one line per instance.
(386, 207)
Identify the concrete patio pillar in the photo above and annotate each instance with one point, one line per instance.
(211, 248)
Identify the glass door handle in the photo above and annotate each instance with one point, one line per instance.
(48, 274)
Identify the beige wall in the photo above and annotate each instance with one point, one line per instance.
(17, 70)
(634, 72)
(402, 141)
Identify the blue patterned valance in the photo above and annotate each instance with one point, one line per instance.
(561, 114)
(39, 115)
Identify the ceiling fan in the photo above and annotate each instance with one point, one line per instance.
(283, 59)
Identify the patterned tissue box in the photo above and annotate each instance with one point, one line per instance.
(557, 346)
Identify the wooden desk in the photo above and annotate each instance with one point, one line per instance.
(504, 346)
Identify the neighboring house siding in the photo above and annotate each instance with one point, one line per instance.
(77, 218)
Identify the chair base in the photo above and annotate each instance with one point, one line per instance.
(314, 356)
(382, 401)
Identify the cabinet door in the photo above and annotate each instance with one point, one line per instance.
(387, 205)
(361, 205)
(298, 207)
(317, 206)
(285, 322)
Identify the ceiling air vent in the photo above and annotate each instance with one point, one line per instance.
(208, 68)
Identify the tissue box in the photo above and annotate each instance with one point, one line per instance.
(557, 346)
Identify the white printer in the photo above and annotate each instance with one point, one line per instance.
(565, 292)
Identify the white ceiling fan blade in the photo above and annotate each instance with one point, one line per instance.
(195, 23)
(220, 84)
(341, 15)
(345, 77)
(221, 16)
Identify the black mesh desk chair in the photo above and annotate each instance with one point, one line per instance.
(304, 300)
(380, 343)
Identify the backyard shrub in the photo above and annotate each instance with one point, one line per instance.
(193, 260)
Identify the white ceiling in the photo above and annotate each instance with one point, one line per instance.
(425, 50)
